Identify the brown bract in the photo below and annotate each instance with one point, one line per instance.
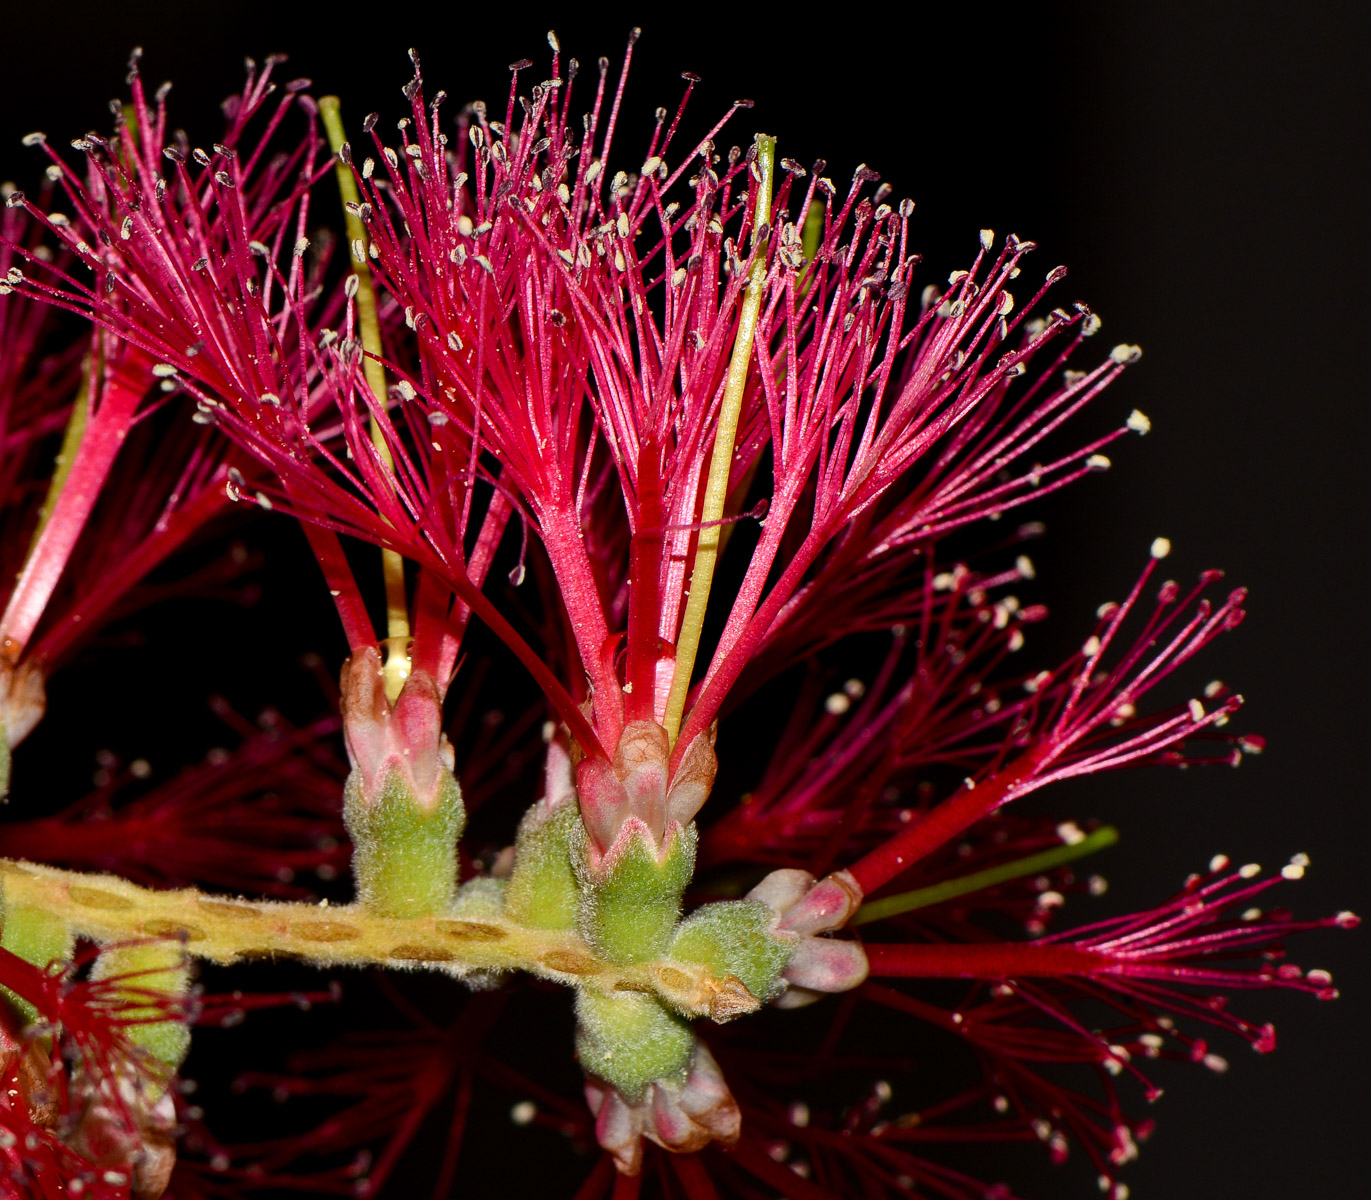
(22, 700)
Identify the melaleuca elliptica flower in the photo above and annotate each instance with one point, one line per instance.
(95, 492)
(710, 423)
(599, 337)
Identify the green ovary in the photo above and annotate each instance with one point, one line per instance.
(629, 911)
(543, 893)
(404, 856)
(631, 1040)
(733, 938)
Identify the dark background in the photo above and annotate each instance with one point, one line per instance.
(1201, 169)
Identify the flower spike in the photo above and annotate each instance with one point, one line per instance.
(690, 436)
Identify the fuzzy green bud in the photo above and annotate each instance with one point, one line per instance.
(401, 803)
(543, 892)
(631, 897)
(631, 1040)
(735, 937)
(404, 853)
(151, 976)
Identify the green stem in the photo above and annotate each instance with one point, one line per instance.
(105, 908)
(811, 236)
(720, 464)
(1046, 860)
(813, 231)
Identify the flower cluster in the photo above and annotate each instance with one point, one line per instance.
(98, 486)
(696, 447)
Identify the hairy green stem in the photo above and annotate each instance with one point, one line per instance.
(459, 942)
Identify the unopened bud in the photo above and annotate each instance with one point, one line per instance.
(543, 892)
(802, 911)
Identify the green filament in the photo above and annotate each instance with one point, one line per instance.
(1046, 860)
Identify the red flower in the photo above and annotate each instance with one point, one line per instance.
(634, 368)
(1083, 717)
(123, 494)
(545, 334)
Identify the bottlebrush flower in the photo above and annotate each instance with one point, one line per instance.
(1083, 718)
(1178, 960)
(32, 407)
(204, 271)
(81, 544)
(161, 306)
(617, 312)
(717, 359)
(211, 326)
(935, 374)
(89, 1107)
(476, 270)
(93, 496)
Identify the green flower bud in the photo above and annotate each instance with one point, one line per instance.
(404, 854)
(735, 937)
(543, 892)
(401, 803)
(150, 975)
(631, 898)
(631, 1040)
(479, 897)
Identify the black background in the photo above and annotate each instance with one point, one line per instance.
(1200, 167)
